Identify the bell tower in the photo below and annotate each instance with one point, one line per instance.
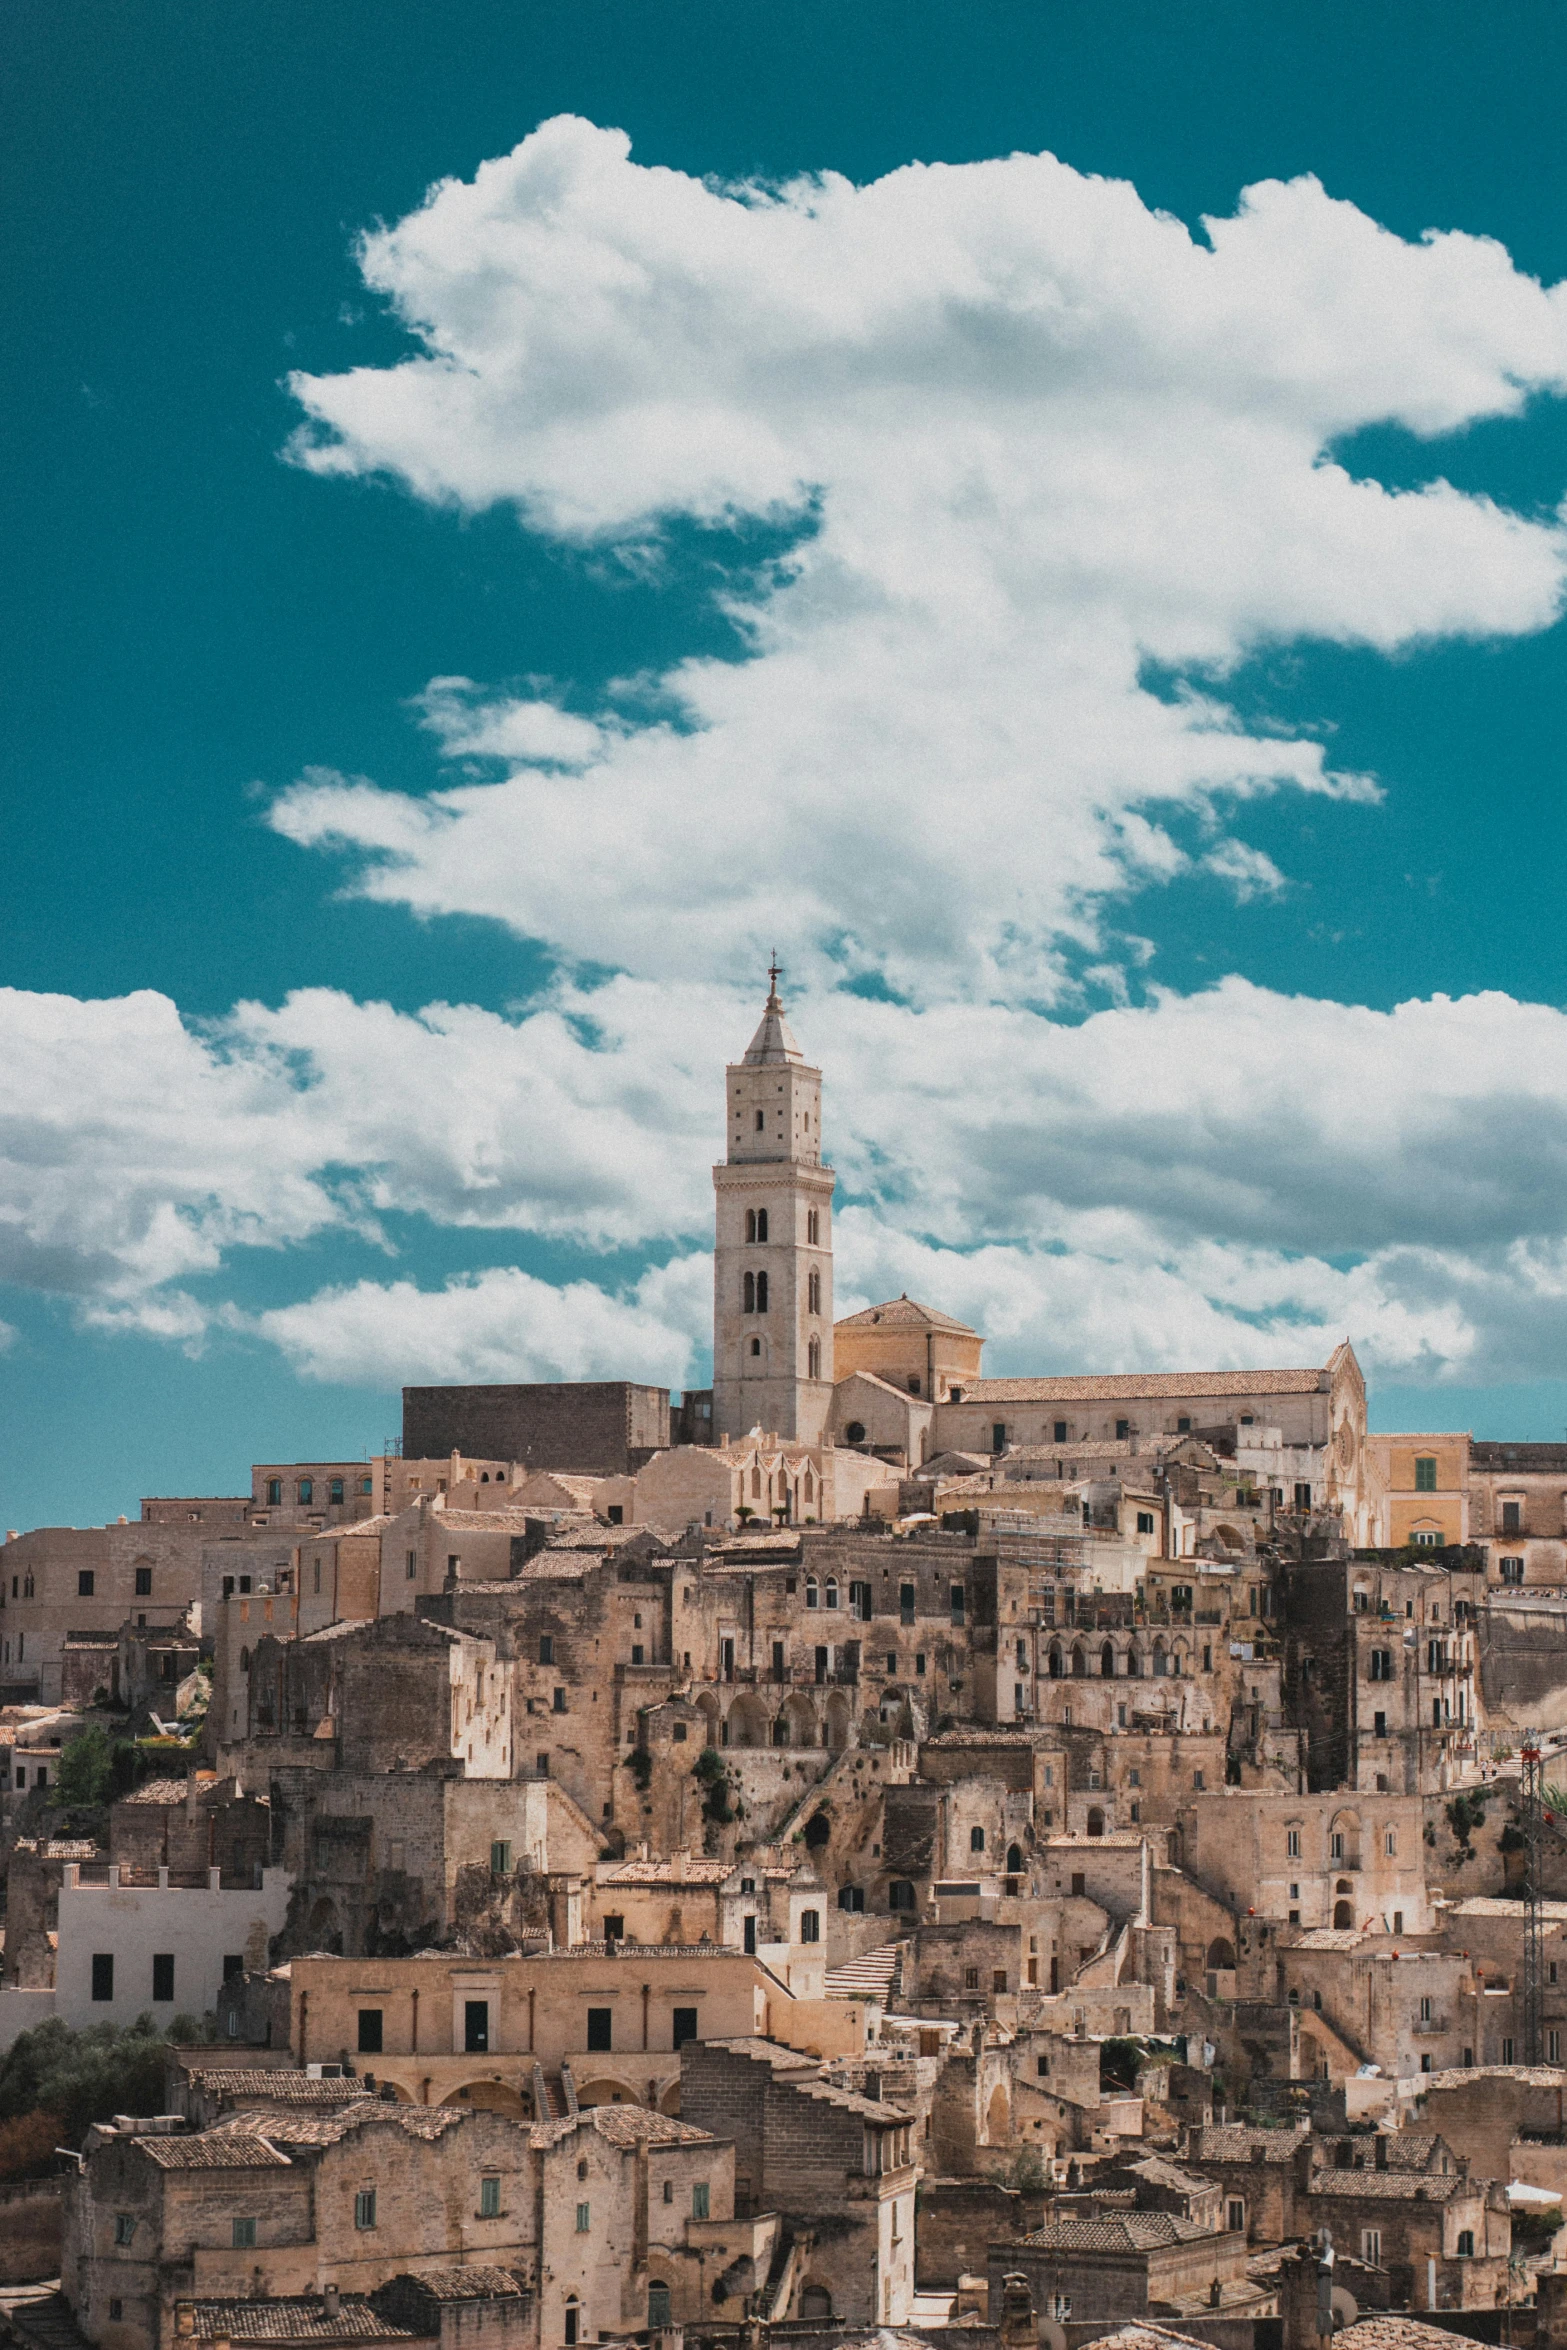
(772, 1259)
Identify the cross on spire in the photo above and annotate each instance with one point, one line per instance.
(774, 969)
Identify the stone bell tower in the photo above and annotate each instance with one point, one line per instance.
(772, 1260)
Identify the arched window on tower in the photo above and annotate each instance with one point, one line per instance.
(750, 1223)
(756, 1483)
(761, 1293)
(748, 1294)
(813, 1291)
(761, 1223)
(813, 1359)
(813, 1227)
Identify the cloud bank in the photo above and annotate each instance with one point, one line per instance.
(1227, 1178)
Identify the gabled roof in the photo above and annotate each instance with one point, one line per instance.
(299, 2318)
(905, 1313)
(1108, 1386)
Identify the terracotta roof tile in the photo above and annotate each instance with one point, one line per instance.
(904, 1313)
(1115, 1385)
(293, 2320)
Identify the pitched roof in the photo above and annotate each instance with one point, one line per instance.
(1390, 2186)
(1391, 2332)
(639, 2125)
(241, 2148)
(905, 1313)
(773, 1041)
(664, 1872)
(280, 2085)
(1108, 1386)
(1121, 2231)
(1145, 2337)
(1234, 2142)
(464, 2284)
(301, 2319)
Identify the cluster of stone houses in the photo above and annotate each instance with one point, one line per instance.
(866, 1846)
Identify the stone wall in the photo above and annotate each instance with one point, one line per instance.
(602, 1426)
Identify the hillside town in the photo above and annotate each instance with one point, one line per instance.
(868, 1849)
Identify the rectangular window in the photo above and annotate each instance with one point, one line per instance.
(1292, 1843)
(233, 1965)
(162, 1975)
(546, 1648)
(699, 2200)
(84, 1583)
(364, 2208)
(500, 1859)
(584, 2218)
(559, 1705)
(1145, 1522)
(1507, 2051)
(1371, 2246)
(1123, 1429)
(1425, 1475)
(1379, 1725)
(124, 2227)
(1336, 1846)
(998, 1436)
(413, 1564)
(601, 2021)
(476, 2026)
(1512, 1570)
(1390, 1843)
(337, 1489)
(1059, 1432)
(103, 1974)
(1466, 2243)
(144, 1583)
(244, 2234)
(1512, 1517)
(1553, 2048)
(959, 1600)
(906, 1602)
(1235, 2214)
(370, 2026)
(489, 2198)
(685, 2026)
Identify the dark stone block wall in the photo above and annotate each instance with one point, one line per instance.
(607, 1427)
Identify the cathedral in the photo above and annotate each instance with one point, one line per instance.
(901, 1382)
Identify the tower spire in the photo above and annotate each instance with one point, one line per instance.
(774, 973)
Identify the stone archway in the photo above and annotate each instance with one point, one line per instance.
(492, 2097)
(749, 1722)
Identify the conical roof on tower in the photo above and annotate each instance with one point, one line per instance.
(773, 1041)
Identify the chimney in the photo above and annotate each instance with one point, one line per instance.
(331, 2306)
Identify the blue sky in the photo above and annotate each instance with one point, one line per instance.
(1016, 599)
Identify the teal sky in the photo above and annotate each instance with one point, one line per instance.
(193, 623)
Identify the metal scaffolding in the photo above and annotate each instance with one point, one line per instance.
(1531, 1798)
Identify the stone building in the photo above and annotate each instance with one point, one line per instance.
(1518, 1509)
(605, 2220)
(502, 2032)
(134, 1943)
(839, 2167)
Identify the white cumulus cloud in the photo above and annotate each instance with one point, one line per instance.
(1036, 436)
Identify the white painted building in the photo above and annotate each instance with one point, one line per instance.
(158, 1949)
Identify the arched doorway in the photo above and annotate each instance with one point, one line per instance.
(840, 1719)
(1107, 1662)
(815, 2302)
(1221, 1955)
(1014, 1860)
(1096, 1822)
(1344, 1916)
(749, 1725)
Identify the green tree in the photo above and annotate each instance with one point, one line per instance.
(83, 2077)
(85, 1768)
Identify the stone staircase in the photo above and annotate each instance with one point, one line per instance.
(875, 1974)
(44, 2324)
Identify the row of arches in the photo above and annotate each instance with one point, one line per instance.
(1079, 1662)
(799, 1721)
